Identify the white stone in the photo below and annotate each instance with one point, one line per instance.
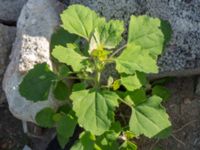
(7, 37)
(31, 47)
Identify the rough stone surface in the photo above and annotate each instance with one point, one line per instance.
(37, 22)
(7, 36)
(10, 9)
(183, 53)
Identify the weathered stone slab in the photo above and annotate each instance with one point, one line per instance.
(37, 22)
(182, 56)
(7, 36)
(10, 9)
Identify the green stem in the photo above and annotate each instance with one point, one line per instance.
(77, 78)
(117, 51)
(123, 101)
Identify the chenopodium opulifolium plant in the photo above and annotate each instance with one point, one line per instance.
(112, 113)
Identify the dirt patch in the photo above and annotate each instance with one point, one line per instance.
(11, 133)
(184, 110)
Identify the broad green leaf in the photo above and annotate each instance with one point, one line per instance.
(108, 35)
(68, 56)
(127, 145)
(61, 91)
(37, 83)
(64, 109)
(161, 91)
(94, 109)
(65, 129)
(149, 118)
(80, 20)
(79, 87)
(133, 58)
(45, 117)
(131, 82)
(62, 37)
(136, 97)
(85, 142)
(145, 32)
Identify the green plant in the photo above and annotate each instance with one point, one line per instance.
(82, 48)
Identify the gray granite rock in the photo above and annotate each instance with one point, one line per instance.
(37, 22)
(7, 36)
(10, 9)
(182, 56)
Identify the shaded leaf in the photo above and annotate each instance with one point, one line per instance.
(61, 91)
(164, 133)
(136, 97)
(63, 71)
(166, 30)
(37, 82)
(161, 91)
(64, 109)
(65, 129)
(45, 117)
(62, 37)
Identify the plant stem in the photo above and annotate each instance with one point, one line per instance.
(123, 101)
(77, 78)
(117, 51)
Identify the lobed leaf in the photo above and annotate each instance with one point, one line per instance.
(107, 35)
(131, 82)
(94, 109)
(68, 56)
(80, 20)
(133, 59)
(149, 118)
(145, 31)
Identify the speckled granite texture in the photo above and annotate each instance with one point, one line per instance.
(183, 53)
